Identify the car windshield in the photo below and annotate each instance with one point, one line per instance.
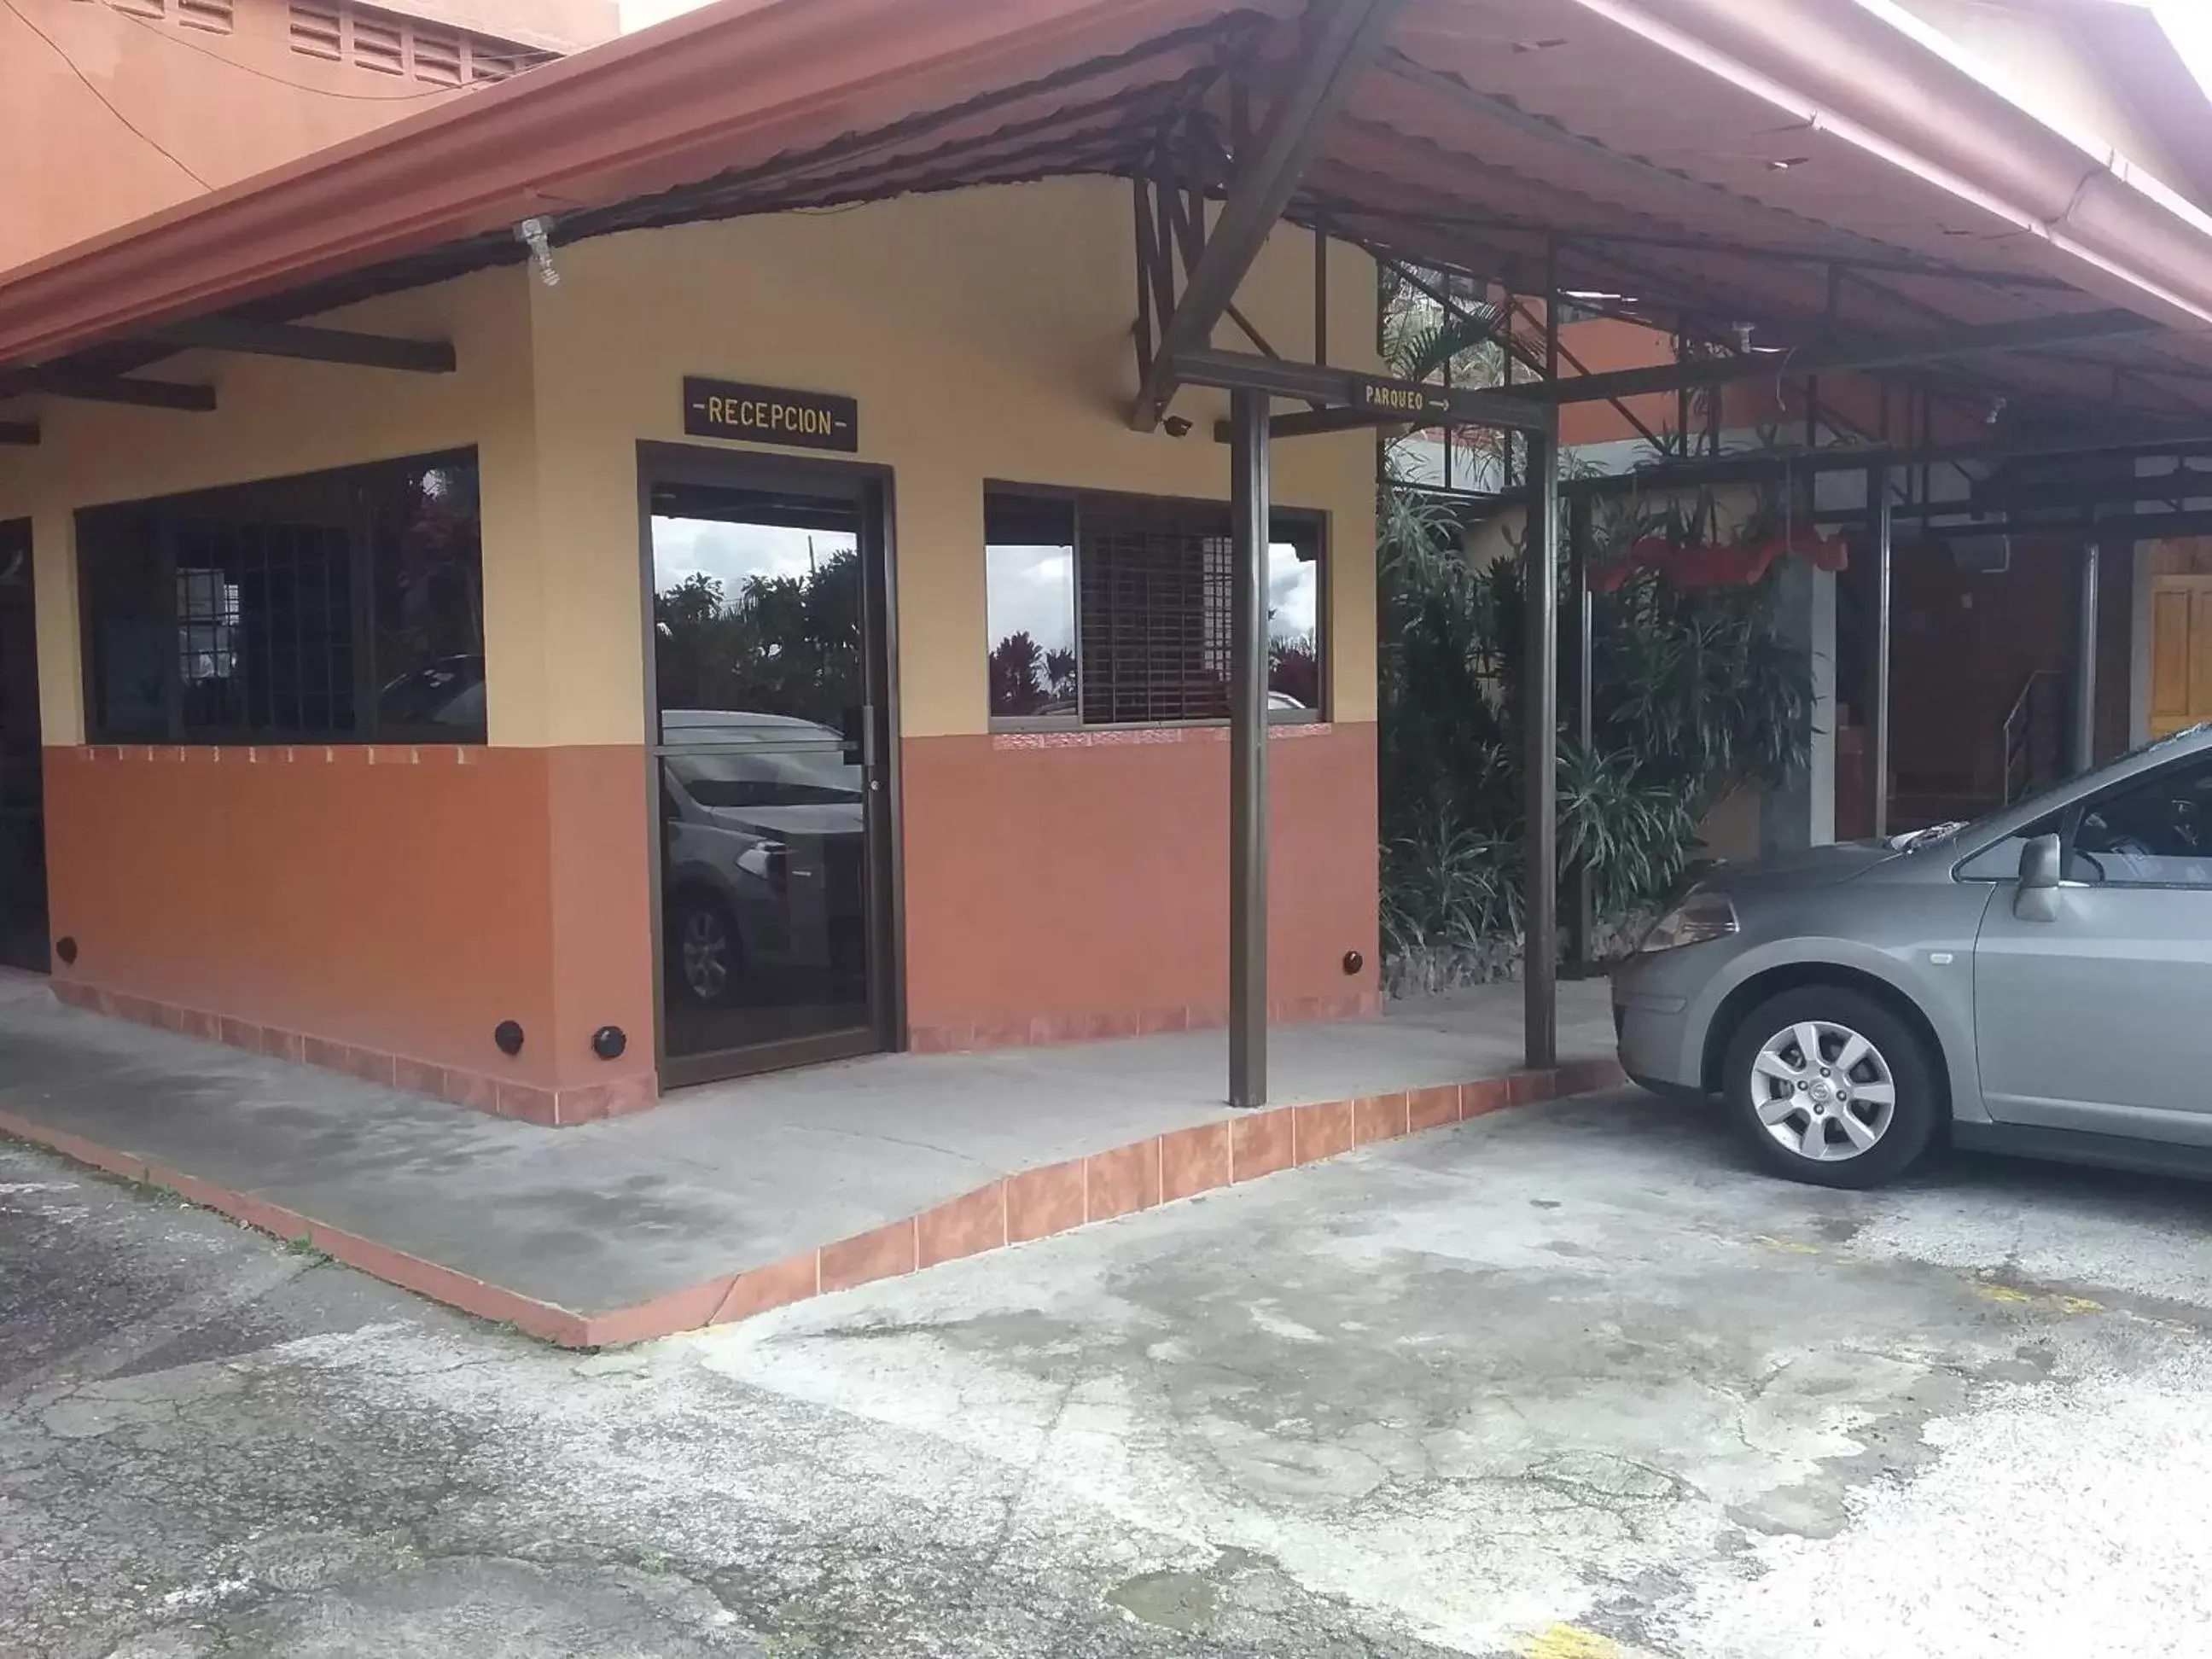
(2031, 806)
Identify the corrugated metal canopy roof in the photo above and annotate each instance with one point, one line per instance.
(1678, 152)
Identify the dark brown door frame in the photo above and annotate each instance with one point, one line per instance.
(19, 948)
(869, 487)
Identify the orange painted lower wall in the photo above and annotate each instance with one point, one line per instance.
(401, 901)
(1077, 883)
(392, 906)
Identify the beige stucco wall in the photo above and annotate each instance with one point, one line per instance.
(984, 334)
(276, 418)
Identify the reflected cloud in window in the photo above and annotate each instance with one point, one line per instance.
(1113, 610)
(1293, 626)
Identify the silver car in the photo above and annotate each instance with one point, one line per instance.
(2038, 981)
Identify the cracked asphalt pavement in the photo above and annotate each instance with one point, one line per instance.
(1568, 1383)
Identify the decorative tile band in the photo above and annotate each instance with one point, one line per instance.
(552, 1108)
(1045, 1029)
(297, 754)
(1126, 737)
(1031, 1204)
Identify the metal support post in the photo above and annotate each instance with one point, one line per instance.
(1541, 695)
(1581, 887)
(1506, 438)
(1321, 293)
(1878, 500)
(2085, 655)
(1248, 752)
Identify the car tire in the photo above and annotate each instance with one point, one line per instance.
(1858, 1113)
(706, 952)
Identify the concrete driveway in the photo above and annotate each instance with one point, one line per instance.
(1568, 1382)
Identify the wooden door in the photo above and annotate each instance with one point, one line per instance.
(2181, 654)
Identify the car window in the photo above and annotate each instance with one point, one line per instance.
(2066, 789)
(2155, 831)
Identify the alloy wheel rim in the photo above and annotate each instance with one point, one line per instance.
(706, 955)
(1823, 1091)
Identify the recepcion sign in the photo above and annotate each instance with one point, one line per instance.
(770, 415)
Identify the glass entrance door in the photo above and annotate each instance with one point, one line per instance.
(771, 743)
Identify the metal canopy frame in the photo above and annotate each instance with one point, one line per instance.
(1256, 175)
(1202, 210)
(2041, 333)
(1342, 39)
(1345, 399)
(1173, 111)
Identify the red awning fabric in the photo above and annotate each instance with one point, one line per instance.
(1755, 159)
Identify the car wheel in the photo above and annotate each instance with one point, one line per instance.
(705, 952)
(1830, 1086)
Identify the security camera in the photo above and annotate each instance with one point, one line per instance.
(1178, 426)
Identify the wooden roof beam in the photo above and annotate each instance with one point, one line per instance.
(96, 388)
(304, 343)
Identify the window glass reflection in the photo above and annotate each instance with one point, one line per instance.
(1028, 556)
(1114, 609)
(756, 606)
(1293, 626)
(332, 607)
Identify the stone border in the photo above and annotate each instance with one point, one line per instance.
(983, 1036)
(1031, 1204)
(480, 1091)
(564, 1109)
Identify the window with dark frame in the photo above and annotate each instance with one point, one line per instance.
(333, 607)
(1108, 610)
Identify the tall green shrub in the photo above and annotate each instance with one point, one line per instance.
(1694, 696)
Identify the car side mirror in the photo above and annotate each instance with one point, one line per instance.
(2037, 898)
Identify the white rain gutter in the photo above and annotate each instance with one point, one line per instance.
(1873, 76)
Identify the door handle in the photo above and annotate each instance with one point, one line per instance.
(860, 731)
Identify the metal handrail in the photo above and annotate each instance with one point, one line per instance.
(2018, 737)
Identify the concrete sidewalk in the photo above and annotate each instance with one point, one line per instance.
(728, 1200)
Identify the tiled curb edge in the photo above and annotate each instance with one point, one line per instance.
(1031, 1204)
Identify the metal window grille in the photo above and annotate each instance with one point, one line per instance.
(1154, 584)
(336, 607)
(264, 630)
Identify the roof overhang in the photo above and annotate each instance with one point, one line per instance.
(1814, 167)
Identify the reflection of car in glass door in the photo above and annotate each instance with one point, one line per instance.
(447, 692)
(768, 680)
(762, 862)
